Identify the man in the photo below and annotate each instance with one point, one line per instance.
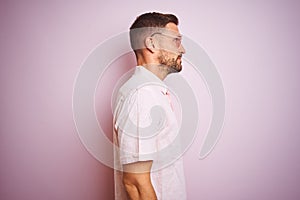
(145, 125)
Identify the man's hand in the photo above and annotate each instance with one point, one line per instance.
(137, 181)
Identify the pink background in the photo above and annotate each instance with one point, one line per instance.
(255, 46)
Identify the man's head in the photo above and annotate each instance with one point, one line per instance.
(156, 40)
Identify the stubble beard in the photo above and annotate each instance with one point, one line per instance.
(171, 65)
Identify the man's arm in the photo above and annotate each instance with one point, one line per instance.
(137, 181)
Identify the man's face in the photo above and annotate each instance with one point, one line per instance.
(171, 49)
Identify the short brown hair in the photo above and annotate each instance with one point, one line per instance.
(148, 20)
(154, 19)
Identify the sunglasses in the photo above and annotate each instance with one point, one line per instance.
(176, 39)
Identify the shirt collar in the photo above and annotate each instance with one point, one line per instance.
(151, 77)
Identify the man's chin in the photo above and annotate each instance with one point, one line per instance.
(179, 65)
(176, 69)
(179, 68)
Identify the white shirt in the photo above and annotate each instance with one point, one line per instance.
(144, 125)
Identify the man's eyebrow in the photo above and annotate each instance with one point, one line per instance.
(176, 35)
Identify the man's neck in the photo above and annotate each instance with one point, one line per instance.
(152, 64)
(160, 71)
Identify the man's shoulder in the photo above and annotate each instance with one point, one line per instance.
(135, 83)
(130, 85)
(128, 91)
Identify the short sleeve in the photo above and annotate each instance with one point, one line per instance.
(138, 123)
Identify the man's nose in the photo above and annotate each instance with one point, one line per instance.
(182, 49)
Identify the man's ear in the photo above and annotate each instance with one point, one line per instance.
(150, 44)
